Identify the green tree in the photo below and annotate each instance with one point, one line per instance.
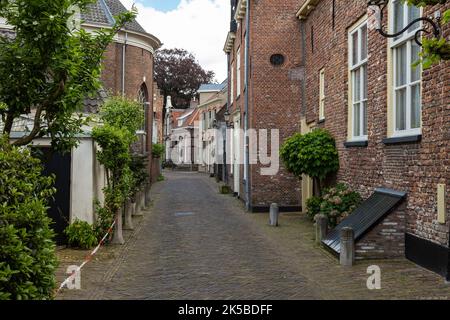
(49, 67)
(179, 75)
(313, 154)
(121, 119)
(121, 112)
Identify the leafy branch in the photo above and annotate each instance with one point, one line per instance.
(49, 68)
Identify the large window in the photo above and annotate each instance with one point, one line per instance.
(406, 79)
(322, 94)
(358, 81)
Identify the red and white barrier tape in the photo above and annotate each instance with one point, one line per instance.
(87, 259)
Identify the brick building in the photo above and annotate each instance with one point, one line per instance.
(212, 98)
(330, 69)
(390, 121)
(128, 62)
(263, 50)
(127, 70)
(158, 111)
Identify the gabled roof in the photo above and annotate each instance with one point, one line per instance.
(103, 11)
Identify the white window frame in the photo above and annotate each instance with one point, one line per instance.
(408, 38)
(322, 95)
(238, 72)
(360, 65)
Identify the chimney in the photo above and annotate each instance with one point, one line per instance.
(169, 103)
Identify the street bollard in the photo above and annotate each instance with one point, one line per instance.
(118, 234)
(321, 227)
(128, 216)
(274, 213)
(133, 206)
(347, 256)
(147, 195)
(142, 200)
(136, 206)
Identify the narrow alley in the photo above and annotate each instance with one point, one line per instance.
(195, 243)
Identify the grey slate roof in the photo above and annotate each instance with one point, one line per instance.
(93, 104)
(103, 12)
(212, 87)
(95, 13)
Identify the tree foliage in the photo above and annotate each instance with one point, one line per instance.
(434, 49)
(121, 112)
(49, 67)
(179, 75)
(313, 154)
(121, 118)
(27, 252)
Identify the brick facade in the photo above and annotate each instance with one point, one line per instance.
(274, 93)
(158, 111)
(415, 168)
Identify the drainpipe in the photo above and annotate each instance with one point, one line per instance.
(123, 62)
(303, 51)
(248, 203)
(225, 169)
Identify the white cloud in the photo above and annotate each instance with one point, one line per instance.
(199, 26)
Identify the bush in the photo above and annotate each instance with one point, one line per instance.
(27, 251)
(313, 154)
(313, 206)
(123, 113)
(338, 203)
(158, 150)
(103, 221)
(139, 170)
(81, 234)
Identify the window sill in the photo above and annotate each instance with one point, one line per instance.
(321, 121)
(403, 140)
(356, 144)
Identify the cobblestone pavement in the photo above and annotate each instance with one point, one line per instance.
(195, 243)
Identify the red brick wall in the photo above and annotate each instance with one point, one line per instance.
(158, 108)
(138, 70)
(414, 168)
(274, 96)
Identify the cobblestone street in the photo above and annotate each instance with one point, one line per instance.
(194, 243)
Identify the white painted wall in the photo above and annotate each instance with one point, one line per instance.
(82, 182)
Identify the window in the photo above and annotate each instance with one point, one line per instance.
(322, 95)
(238, 72)
(143, 99)
(358, 81)
(406, 79)
(277, 59)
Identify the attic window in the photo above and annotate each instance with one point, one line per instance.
(277, 59)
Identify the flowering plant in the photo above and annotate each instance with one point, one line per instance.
(338, 203)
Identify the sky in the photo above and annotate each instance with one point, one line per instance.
(199, 26)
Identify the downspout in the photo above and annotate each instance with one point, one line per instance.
(248, 203)
(225, 164)
(124, 62)
(303, 62)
